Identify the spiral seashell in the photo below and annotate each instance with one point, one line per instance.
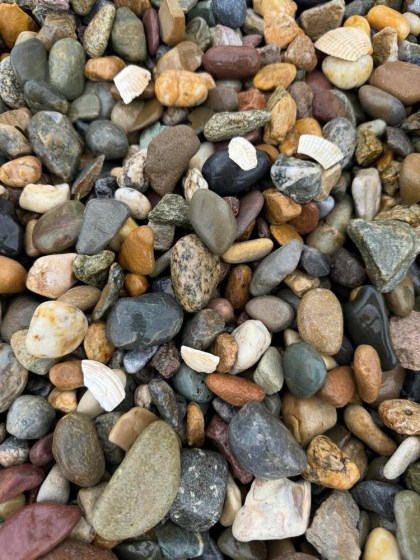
(199, 361)
(347, 43)
(103, 383)
(132, 81)
(323, 151)
(243, 153)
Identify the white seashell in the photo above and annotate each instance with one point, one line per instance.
(347, 43)
(193, 181)
(132, 81)
(202, 362)
(323, 151)
(103, 383)
(243, 153)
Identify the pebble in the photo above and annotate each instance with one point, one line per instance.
(260, 455)
(66, 68)
(114, 516)
(252, 339)
(301, 180)
(376, 496)
(304, 370)
(201, 330)
(407, 452)
(13, 451)
(127, 36)
(229, 546)
(360, 423)
(345, 74)
(96, 36)
(366, 192)
(56, 329)
(231, 62)
(402, 416)
(18, 479)
(11, 506)
(55, 488)
(29, 417)
(45, 526)
(381, 105)
(51, 276)
(234, 390)
(368, 374)
(406, 509)
(403, 335)
(288, 502)
(27, 360)
(176, 542)
(48, 237)
(172, 209)
(408, 179)
(105, 138)
(13, 377)
(381, 544)
(275, 313)
(71, 549)
(191, 385)
(231, 13)
(136, 253)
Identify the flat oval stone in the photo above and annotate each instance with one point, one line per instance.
(106, 138)
(212, 220)
(30, 417)
(29, 61)
(231, 62)
(144, 321)
(381, 105)
(77, 450)
(226, 178)
(127, 35)
(263, 445)
(407, 511)
(275, 313)
(36, 529)
(381, 545)
(18, 479)
(152, 466)
(13, 377)
(320, 320)
(59, 228)
(203, 481)
(304, 369)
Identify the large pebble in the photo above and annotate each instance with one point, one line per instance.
(381, 105)
(152, 466)
(29, 61)
(106, 138)
(42, 198)
(275, 313)
(301, 180)
(59, 228)
(345, 74)
(263, 445)
(56, 329)
(51, 276)
(77, 450)
(13, 377)
(381, 545)
(366, 190)
(66, 64)
(30, 417)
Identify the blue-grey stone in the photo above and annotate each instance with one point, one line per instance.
(299, 179)
(376, 496)
(176, 542)
(304, 369)
(230, 12)
(135, 360)
(29, 417)
(106, 138)
(29, 61)
(191, 384)
(315, 262)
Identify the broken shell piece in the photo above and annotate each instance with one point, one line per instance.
(132, 81)
(202, 362)
(323, 151)
(103, 383)
(243, 153)
(347, 43)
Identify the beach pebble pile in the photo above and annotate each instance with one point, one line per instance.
(209, 279)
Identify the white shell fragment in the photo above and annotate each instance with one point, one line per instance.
(202, 362)
(347, 43)
(243, 153)
(132, 81)
(103, 383)
(323, 151)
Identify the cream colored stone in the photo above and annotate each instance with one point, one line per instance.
(253, 339)
(56, 329)
(193, 181)
(51, 276)
(138, 203)
(414, 22)
(199, 361)
(407, 452)
(41, 198)
(345, 74)
(130, 425)
(83, 531)
(366, 189)
(381, 545)
(248, 251)
(233, 503)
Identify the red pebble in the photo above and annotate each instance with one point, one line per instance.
(18, 479)
(41, 451)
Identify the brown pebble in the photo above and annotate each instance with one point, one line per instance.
(104, 68)
(367, 370)
(136, 253)
(18, 479)
(234, 390)
(231, 63)
(67, 375)
(285, 233)
(41, 451)
(171, 22)
(96, 344)
(83, 297)
(237, 288)
(135, 284)
(12, 276)
(72, 549)
(279, 208)
(195, 425)
(223, 307)
(14, 21)
(360, 423)
(339, 386)
(251, 99)
(21, 171)
(307, 220)
(226, 348)
(151, 29)
(64, 401)
(391, 384)
(402, 416)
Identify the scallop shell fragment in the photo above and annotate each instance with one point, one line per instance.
(347, 43)
(323, 151)
(103, 383)
(132, 81)
(243, 153)
(202, 362)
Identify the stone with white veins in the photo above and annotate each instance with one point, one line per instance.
(103, 383)
(253, 339)
(273, 509)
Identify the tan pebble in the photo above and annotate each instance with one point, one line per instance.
(51, 276)
(171, 22)
(83, 297)
(11, 506)
(291, 336)
(271, 151)
(307, 418)
(367, 370)
(67, 376)
(41, 198)
(137, 251)
(56, 329)
(329, 466)
(200, 361)
(279, 208)
(135, 284)
(265, 7)
(414, 22)
(130, 425)
(232, 504)
(96, 344)
(339, 387)
(102, 543)
(83, 531)
(301, 53)
(346, 74)
(64, 401)
(359, 22)
(360, 423)
(185, 56)
(280, 29)
(30, 248)
(237, 287)
(283, 117)
(382, 16)
(320, 320)
(137, 6)
(391, 384)
(19, 118)
(21, 171)
(300, 282)
(381, 545)
(284, 233)
(181, 88)
(402, 416)
(195, 425)
(233, 389)
(103, 69)
(225, 348)
(274, 75)
(385, 46)
(14, 21)
(248, 251)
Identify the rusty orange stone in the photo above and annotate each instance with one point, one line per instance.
(279, 208)
(251, 99)
(307, 220)
(339, 387)
(237, 288)
(233, 389)
(137, 251)
(67, 375)
(284, 233)
(135, 284)
(14, 21)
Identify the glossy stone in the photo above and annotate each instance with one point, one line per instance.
(176, 542)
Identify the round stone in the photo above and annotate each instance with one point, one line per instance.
(304, 369)
(105, 137)
(191, 385)
(275, 313)
(345, 74)
(29, 417)
(77, 450)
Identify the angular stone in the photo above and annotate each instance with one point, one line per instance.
(301, 180)
(172, 210)
(13, 377)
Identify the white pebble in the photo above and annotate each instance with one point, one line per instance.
(202, 362)
(138, 203)
(55, 488)
(414, 21)
(407, 452)
(253, 339)
(366, 190)
(41, 198)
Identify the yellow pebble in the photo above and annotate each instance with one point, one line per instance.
(284, 233)
(381, 545)
(382, 16)
(181, 88)
(359, 22)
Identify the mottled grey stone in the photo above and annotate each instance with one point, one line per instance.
(29, 61)
(301, 180)
(29, 417)
(202, 329)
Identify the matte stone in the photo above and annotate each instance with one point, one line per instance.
(301, 180)
(202, 329)
(376, 496)
(203, 481)
(66, 67)
(343, 134)
(254, 550)
(304, 369)
(11, 235)
(346, 269)
(176, 543)
(367, 323)
(41, 96)
(72, 549)
(127, 36)
(106, 138)
(191, 385)
(138, 550)
(230, 12)
(29, 61)
(29, 417)
(407, 511)
(13, 377)
(172, 209)
(314, 262)
(263, 445)
(59, 228)
(166, 401)
(143, 321)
